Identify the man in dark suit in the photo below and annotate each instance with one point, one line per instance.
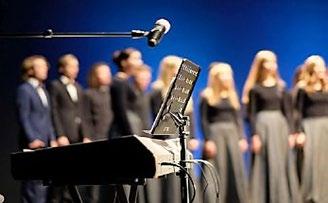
(35, 119)
(69, 113)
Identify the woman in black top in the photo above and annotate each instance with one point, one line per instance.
(269, 111)
(224, 140)
(99, 101)
(312, 105)
(100, 117)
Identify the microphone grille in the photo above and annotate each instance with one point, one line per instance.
(2, 198)
(164, 23)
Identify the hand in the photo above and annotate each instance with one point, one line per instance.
(209, 149)
(86, 140)
(291, 140)
(300, 140)
(53, 143)
(193, 144)
(62, 141)
(256, 144)
(243, 145)
(36, 144)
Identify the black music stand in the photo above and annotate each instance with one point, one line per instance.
(170, 121)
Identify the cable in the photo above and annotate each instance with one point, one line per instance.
(214, 174)
(185, 171)
(202, 175)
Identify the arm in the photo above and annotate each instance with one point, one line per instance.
(119, 103)
(243, 145)
(300, 136)
(85, 119)
(299, 106)
(239, 123)
(24, 110)
(204, 118)
(89, 114)
(287, 109)
(252, 110)
(209, 150)
(54, 92)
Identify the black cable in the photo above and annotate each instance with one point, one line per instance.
(214, 174)
(202, 175)
(185, 171)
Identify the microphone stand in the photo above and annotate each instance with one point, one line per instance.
(49, 34)
(182, 122)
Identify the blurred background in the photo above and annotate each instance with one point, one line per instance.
(203, 31)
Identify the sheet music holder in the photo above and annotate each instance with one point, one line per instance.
(175, 101)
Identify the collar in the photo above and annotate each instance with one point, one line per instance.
(65, 80)
(34, 82)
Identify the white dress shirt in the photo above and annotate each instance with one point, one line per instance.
(70, 87)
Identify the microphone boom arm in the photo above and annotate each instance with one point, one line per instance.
(49, 34)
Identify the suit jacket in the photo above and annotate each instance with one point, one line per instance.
(100, 112)
(69, 117)
(34, 117)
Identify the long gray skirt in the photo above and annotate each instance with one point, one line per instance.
(273, 177)
(229, 164)
(315, 165)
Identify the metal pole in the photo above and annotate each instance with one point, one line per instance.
(183, 134)
(49, 34)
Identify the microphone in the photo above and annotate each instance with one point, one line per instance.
(2, 198)
(162, 26)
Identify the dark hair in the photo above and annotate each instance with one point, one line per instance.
(122, 55)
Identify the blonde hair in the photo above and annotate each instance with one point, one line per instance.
(256, 75)
(63, 60)
(214, 86)
(27, 66)
(168, 68)
(299, 77)
(92, 76)
(310, 76)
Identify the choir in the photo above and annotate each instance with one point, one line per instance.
(288, 129)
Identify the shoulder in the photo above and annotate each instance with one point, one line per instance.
(256, 89)
(78, 85)
(155, 93)
(24, 88)
(90, 92)
(55, 84)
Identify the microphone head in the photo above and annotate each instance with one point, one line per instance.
(2, 198)
(162, 26)
(166, 24)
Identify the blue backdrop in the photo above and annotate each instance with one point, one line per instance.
(202, 30)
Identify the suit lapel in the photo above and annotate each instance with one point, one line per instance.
(66, 91)
(36, 97)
